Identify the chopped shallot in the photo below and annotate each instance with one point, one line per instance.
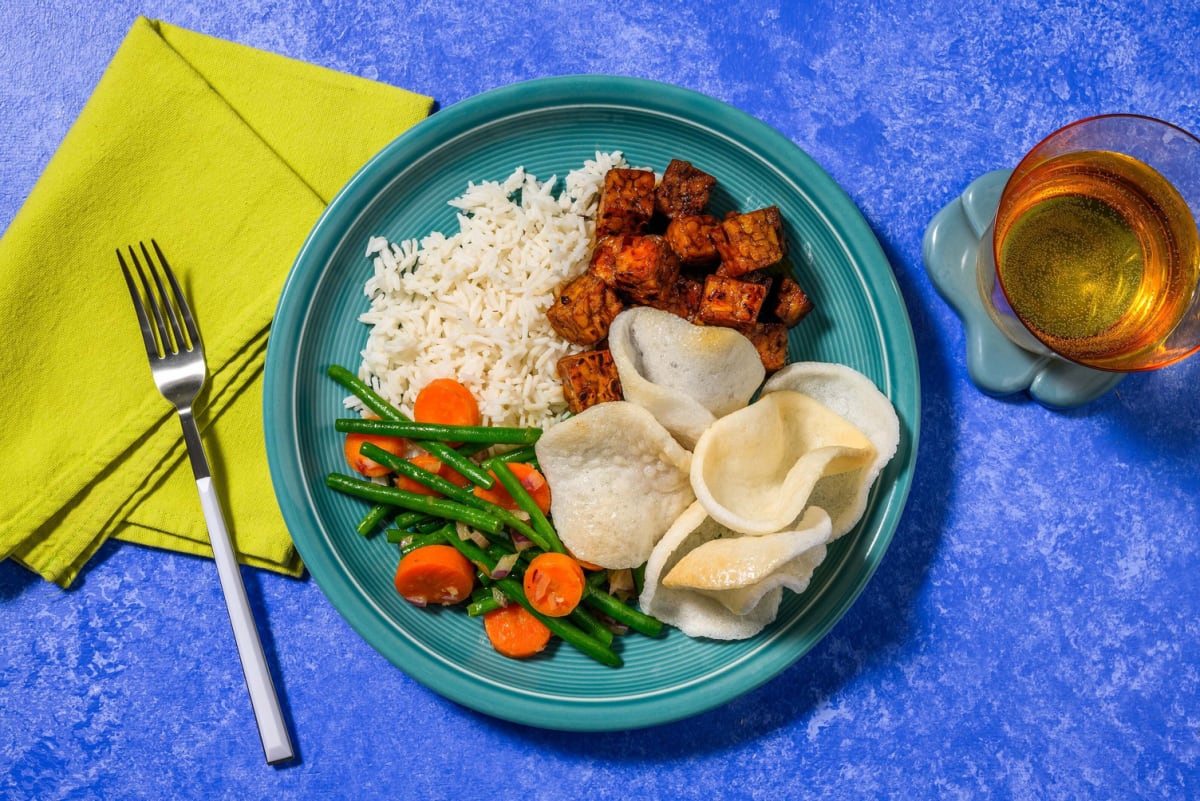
(504, 565)
(465, 532)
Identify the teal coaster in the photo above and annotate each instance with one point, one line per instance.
(995, 364)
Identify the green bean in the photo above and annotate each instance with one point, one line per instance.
(373, 518)
(482, 606)
(527, 504)
(581, 617)
(432, 480)
(386, 411)
(407, 519)
(438, 432)
(410, 540)
(461, 464)
(525, 453)
(570, 634)
(373, 400)
(426, 526)
(601, 601)
(437, 507)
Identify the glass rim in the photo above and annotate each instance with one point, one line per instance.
(1176, 354)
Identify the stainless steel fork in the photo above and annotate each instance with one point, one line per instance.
(177, 363)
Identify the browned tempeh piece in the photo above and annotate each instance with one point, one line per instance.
(770, 340)
(789, 301)
(626, 202)
(750, 241)
(684, 189)
(690, 236)
(604, 257)
(731, 302)
(646, 267)
(589, 378)
(683, 300)
(583, 310)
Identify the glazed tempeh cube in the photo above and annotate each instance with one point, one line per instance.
(789, 302)
(731, 301)
(750, 241)
(683, 300)
(684, 189)
(770, 340)
(626, 202)
(583, 310)
(603, 263)
(646, 267)
(690, 236)
(589, 378)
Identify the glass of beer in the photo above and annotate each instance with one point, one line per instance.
(1095, 252)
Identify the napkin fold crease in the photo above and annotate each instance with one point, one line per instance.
(226, 155)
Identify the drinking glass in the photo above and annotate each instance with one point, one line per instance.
(1094, 253)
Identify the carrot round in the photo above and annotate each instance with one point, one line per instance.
(514, 632)
(532, 480)
(435, 574)
(554, 584)
(369, 467)
(448, 402)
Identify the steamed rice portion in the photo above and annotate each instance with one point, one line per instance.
(472, 305)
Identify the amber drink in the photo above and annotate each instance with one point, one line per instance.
(1096, 251)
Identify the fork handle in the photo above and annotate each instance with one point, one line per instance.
(272, 730)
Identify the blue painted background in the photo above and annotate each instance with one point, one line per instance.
(1032, 633)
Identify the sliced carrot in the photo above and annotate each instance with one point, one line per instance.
(554, 584)
(435, 574)
(448, 402)
(514, 632)
(532, 480)
(369, 467)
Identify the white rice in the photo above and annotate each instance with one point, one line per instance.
(472, 305)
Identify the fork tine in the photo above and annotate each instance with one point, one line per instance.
(160, 327)
(193, 333)
(140, 308)
(168, 307)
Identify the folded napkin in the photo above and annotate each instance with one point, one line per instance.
(226, 155)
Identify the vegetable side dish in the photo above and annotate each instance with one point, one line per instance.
(476, 532)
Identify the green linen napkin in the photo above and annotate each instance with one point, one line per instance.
(226, 155)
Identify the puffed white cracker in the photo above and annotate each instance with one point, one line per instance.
(619, 480)
(741, 577)
(854, 397)
(686, 375)
(754, 469)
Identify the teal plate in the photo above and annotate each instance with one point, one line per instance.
(551, 126)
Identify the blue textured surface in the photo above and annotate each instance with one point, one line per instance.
(1033, 631)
